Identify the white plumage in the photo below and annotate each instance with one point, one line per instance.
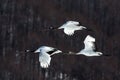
(89, 47)
(70, 27)
(45, 54)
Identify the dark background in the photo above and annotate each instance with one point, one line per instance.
(24, 25)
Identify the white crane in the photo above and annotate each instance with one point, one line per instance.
(45, 54)
(70, 27)
(89, 47)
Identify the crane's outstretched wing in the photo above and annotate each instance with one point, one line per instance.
(44, 59)
(72, 23)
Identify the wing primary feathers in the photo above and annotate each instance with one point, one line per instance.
(50, 52)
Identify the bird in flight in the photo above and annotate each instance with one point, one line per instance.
(70, 27)
(89, 47)
(45, 53)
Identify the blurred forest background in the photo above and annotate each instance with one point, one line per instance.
(24, 24)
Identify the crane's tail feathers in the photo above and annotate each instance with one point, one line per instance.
(84, 28)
